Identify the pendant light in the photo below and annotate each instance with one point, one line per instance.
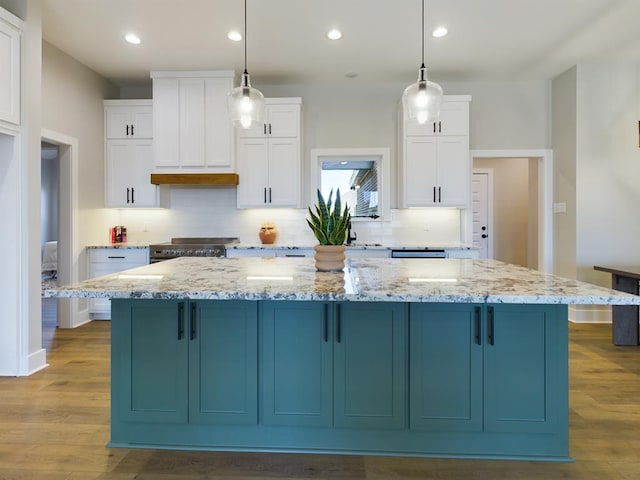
(245, 104)
(421, 101)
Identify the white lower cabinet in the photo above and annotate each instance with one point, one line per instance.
(105, 261)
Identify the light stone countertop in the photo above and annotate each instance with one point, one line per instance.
(397, 280)
(359, 245)
(124, 246)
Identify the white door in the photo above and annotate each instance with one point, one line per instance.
(481, 193)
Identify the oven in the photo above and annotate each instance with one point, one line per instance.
(190, 247)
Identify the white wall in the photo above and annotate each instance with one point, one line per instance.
(595, 115)
(25, 335)
(507, 115)
(564, 113)
(607, 169)
(72, 105)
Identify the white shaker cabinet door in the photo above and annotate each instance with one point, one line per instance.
(454, 176)
(420, 171)
(9, 72)
(129, 164)
(127, 121)
(192, 122)
(284, 161)
(166, 122)
(253, 170)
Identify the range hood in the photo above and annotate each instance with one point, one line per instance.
(195, 179)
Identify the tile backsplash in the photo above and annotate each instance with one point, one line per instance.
(206, 211)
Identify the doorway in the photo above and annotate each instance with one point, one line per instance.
(505, 216)
(67, 309)
(49, 205)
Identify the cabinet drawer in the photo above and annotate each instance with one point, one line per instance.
(119, 256)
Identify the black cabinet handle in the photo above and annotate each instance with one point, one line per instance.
(490, 336)
(434, 127)
(128, 195)
(192, 321)
(269, 194)
(265, 194)
(127, 130)
(439, 127)
(269, 129)
(180, 320)
(477, 327)
(115, 256)
(434, 194)
(326, 329)
(131, 130)
(264, 128)
(338, 325)
(132, 197)
(439, 194)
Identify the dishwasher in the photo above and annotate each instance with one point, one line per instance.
(418, 254)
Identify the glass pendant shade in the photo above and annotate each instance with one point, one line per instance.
(421, 101)
(245, 104)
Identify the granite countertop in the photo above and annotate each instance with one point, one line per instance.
(401, 280)
(359, 245)
(128, 245)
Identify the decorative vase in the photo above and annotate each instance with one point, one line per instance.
(268, 233)
(329, 258)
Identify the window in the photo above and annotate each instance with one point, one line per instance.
(361, 175)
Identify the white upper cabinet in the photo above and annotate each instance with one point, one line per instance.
(268, 157)
(280, 120)
(129, 158)
(192, 130)
(454, 120)
(436, 166)
(10, 53)
(126, 119)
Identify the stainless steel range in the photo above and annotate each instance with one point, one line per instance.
(190, 247)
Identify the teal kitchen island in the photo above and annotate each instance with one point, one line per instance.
(413, 357)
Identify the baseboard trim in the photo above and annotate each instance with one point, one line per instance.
(590, 314)
(36, 361)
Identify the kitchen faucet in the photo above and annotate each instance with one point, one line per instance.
(349, 237)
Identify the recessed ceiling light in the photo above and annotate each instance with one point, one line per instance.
(132, 38)
(351, 74)
(440, 32)
(334, 34)
(234, 35)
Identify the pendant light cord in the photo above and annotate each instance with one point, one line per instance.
(422, 33)
(245, 35)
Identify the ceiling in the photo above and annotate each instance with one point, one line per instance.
(488, 39)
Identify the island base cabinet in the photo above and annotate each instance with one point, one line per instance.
(373, 378)
(495, 369)
(297, 388)
(223, 363)
(184, 362)
(340, 365)
(446, 368)
(149, 361)
(370, 367)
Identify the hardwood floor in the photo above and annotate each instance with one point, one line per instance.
(54, 425)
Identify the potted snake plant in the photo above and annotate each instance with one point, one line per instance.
(329, 224)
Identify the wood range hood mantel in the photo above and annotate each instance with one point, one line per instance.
(195, 179)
